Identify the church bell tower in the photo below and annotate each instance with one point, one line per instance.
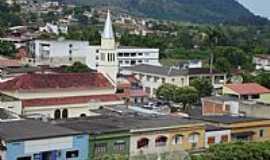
(108, 64)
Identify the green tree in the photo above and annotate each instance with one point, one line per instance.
(233, 58)
(77, 67)
(186, 96)
(166, 92)
(7, 49)
(237, 151)
(203, 86)
(90, 34)
(263, 79)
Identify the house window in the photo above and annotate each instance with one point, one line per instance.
(146, 54)
(173, 79)
(182, 81)
(113, 55)
(140, 54)
(224, 138)
(227, 108)
(148, 90)
(120, 54)
(72, 154)
(57, 114)
(261, 133)
(133, 62)
(65, 113)
(100, 148)
(133, 54)
(161, 141)
(211, 140)
(119, 146)
(163, 80)
(256, 96)
(148, 78)
(103, 56)
(178, 139)
(156, 79)
(108, 57)
(24, 158)
(120, 62)
(83, 115)
(194, 139)
(142, 143)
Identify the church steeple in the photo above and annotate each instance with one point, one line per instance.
(108, 29)
(108, 64)
(107, 37)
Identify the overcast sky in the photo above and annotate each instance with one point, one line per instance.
(259, 7)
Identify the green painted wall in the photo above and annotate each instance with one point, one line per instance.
(110, 140)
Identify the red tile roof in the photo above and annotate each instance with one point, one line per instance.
(69, 100)
(34, 81)
(248, 88)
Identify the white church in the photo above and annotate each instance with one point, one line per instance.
(107, 57)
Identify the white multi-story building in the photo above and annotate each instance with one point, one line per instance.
(130, 56)
(152, 77)
(60, 52)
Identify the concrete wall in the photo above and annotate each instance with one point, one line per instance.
(13, 106)
(255, 110)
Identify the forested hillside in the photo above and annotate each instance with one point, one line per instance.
(199, 11)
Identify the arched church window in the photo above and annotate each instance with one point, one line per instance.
(65, 113)
(57, 114)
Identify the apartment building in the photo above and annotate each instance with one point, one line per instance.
(152, 77)
(59, 52)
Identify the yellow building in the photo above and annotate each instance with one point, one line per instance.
(242, 128)
(160, 137)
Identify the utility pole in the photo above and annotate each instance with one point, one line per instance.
(212, 55)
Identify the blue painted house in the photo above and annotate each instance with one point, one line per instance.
(35, 140)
